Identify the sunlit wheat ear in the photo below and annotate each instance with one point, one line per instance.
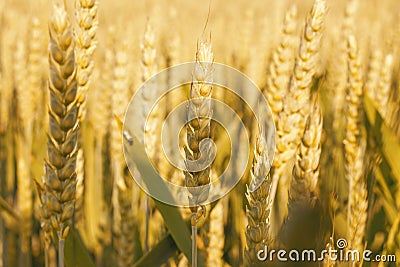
(385, 82)
(199, 113)
(306, 170)
(336, 73)
(60, 181)
(354, 151)
(35, 70)
(199, 108)
(120, 97)
(374, 67)
(86, 16)
(281, 65)
(258, 210)
(291, 121)
(149, 68)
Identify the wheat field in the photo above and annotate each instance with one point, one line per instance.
(317, 169)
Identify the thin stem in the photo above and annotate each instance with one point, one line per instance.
(147, 221)
(60, 251)
(46, 258)
(194, 240)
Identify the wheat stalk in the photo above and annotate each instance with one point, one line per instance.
(199, 114)
(60, 181)
(354, 151)
(291, 122)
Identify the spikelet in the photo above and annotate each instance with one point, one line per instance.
(354, 152)
(281, 65)
(60, 165)
(259, 202)
(291, 122)
(86, 16)
(149, 53)
(306, 169)
(216, 236)
(199, 127)
(44, 215)
(80, 188)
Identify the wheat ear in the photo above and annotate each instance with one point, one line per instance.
(60, 165)
(384, 85)
(281, 65)
(86, 16)
(291, 122)
(306, 169)
(199, 113)
(259, 202)
(354, 151)
(35, 70)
